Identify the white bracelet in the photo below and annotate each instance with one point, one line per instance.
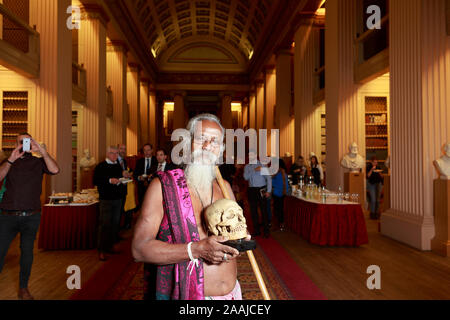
(193, 262)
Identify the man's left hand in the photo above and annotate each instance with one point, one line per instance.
(267, 195)
(36, 147)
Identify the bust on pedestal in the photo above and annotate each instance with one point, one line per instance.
(352, 160)
(87, 161)
(353, 178)
(441, 242)
(87, 164)
(443, 164)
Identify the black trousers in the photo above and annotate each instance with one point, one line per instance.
(256, 200)
(108, 223)
(278, 207)
(27, 227)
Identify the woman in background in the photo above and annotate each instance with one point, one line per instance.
(374, 186)
(280, 188)
(316, 171)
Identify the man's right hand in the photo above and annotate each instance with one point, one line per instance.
(114, 181)
(211, 250)
(16, 154)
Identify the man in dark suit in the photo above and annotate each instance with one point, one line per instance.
(145, 167)
(163, 165)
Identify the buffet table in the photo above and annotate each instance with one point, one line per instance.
(330, 224)
(68, 227)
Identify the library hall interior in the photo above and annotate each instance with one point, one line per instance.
(224, 150)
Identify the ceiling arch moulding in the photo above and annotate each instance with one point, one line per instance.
(203, 54)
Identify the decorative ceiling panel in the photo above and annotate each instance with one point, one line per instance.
(240, 23)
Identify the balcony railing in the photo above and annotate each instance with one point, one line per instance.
(78, 83)
(19, 44)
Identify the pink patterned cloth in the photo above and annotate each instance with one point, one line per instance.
(235, 294)
(175, 281)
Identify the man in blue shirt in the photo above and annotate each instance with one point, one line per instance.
(260, 188)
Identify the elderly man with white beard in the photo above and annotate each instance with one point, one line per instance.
(171, 232)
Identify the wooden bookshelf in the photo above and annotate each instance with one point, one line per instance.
(14, 112)
(377, 129)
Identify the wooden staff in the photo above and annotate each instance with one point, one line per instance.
(251, 257)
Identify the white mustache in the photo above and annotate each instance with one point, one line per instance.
(198, 155)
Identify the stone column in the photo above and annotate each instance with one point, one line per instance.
(144, 111)
(260, 105)
(307, 115)
(92, 54)
(420, 99)
(51, 119)
(133, 97)
(341, 93)
(180, 114)
(152, 118)
(270, 97)
(116, 76)
(283, 101)
(252, 110)
(226, 114)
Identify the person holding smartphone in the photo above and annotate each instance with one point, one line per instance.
(374, 186)
(20, 208)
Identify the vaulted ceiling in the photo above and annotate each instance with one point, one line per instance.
(206, 35)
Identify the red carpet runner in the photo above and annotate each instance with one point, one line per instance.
(298, 283)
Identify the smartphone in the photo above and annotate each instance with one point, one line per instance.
(26, 145)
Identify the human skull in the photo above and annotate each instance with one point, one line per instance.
(225, 218)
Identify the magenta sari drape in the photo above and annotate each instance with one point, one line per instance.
(175, 282)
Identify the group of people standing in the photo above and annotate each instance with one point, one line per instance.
(111, 177)
(374, 185)
(300, 170)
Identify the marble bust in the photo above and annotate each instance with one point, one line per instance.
(87, 161)
(443, 164)
(352, 160)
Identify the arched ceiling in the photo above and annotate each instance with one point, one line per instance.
(233, 27)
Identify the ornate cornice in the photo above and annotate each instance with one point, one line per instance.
(94, 11)
(117, 45)
(202, 78)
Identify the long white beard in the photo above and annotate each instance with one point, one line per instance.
(201, 176)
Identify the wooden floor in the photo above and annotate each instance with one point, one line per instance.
(340, 273)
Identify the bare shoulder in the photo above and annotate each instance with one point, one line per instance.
(153, 198)
(151, 215)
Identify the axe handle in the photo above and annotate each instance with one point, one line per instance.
(251, 257)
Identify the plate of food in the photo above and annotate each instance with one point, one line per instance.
(125, 180)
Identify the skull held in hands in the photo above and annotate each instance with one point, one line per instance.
(225, 218)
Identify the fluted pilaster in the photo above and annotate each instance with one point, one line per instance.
(260, 105)
(133, 97)
(144, 112)
(270, 95)
(52, 119)
(152, 118)
(283, 102)
(227, 115)
(341, 93)
(419, 63)
(92, 54)
(116, 75)
(252, 110)
(307, 117)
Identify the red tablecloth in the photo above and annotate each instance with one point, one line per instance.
(68, 227)
(326, 224)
